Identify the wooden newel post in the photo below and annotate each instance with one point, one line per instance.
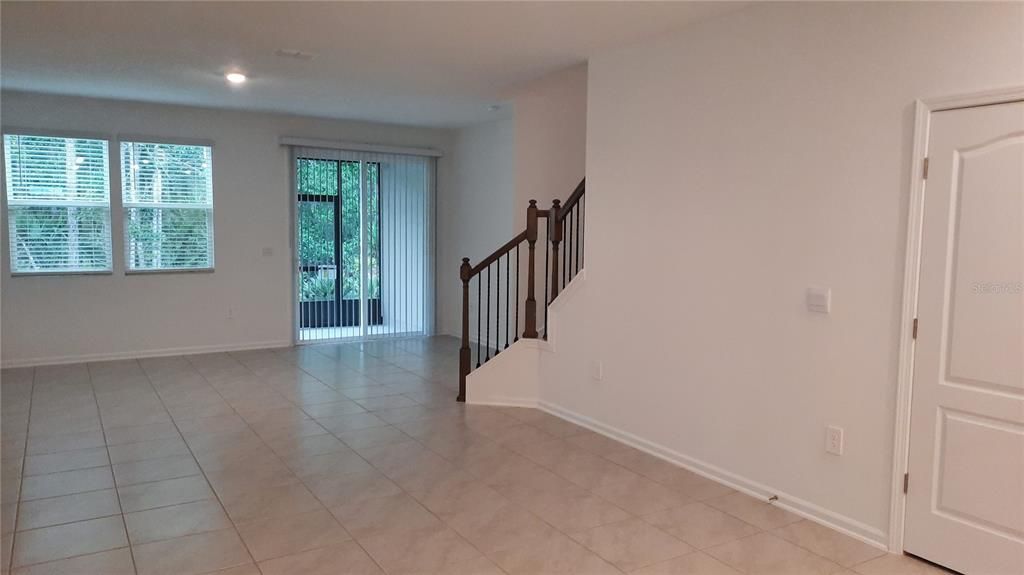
(555, 233)
(531, 298)
(464, 351)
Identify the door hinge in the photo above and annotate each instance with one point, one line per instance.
(924, 171)
(914, 335)
(906, 482)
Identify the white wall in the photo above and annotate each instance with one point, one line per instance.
(729, 167)
(475, 213)
(551, 138)
(84, 317)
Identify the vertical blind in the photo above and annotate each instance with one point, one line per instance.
(167, 193)
(58, 204)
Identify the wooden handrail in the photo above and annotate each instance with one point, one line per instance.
(509, 246)
(574, 198)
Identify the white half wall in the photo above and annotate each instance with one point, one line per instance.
(729, 167)
(245, 302)
(509, 378)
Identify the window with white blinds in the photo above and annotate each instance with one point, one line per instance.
(167, 194)
(58, 199)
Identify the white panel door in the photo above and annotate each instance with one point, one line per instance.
(965, 503)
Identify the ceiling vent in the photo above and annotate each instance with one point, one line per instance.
(293, 54)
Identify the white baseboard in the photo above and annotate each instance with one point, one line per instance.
(189, 350)
(856, 529)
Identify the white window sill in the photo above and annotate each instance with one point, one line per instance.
(169, 271)
(62, 273)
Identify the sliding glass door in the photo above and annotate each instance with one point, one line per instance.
(363, 244)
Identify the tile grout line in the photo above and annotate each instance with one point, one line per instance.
(631, 515)
(106, 446)
(355, 540)
(523, 508)
(328, 508)
(306, 487)
(849, 567)
(21, 474)
(414, 439)
(425, 508)
(202, 471)
(262, 380)
(446, 523)
(265, 379)
(113, 480)
(114, 488)
(692, 501)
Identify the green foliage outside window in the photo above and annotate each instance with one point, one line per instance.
(168, 197)
(318, 181)
(44, 172)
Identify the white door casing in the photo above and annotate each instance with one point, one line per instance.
(965, 504)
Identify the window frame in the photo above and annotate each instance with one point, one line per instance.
(121, 204)
(5, 208)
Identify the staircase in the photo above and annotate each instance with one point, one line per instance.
(563, 229)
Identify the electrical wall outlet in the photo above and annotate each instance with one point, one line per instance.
(834, 440)
(597, 370)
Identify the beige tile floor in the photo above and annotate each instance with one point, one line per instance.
(355, 459)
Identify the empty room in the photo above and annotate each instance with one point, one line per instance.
(485, 288)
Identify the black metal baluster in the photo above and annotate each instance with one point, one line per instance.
(487, 334)
(516, 334)
(497, 308)
(508, 290)
(583, 208)
(479, 298)
(567, 262)
(577, 240)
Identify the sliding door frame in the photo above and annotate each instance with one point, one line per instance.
(428, 263)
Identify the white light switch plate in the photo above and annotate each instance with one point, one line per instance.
(834, 440)
(819, 299)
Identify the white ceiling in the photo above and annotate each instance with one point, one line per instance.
(436, 64)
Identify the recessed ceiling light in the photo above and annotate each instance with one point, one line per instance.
(235, 77)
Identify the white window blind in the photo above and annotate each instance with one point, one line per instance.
(58, 199)
(167, 193)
